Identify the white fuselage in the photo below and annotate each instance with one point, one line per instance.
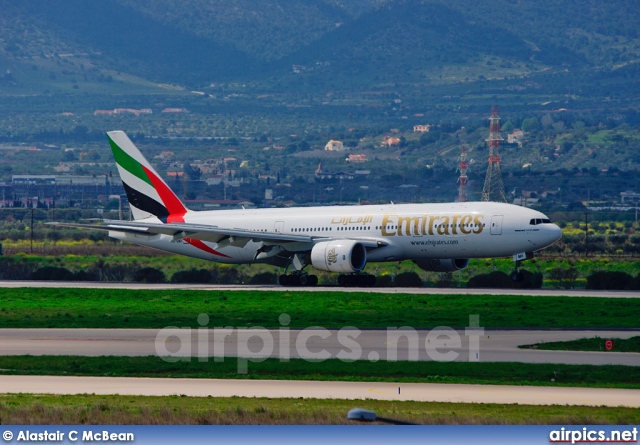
(403, 231)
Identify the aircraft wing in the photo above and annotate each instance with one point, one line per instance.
(209, 233)
(186, 230)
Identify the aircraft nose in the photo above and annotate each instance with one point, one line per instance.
(555, 233)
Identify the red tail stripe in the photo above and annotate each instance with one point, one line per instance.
(177, 210)
(170, 200)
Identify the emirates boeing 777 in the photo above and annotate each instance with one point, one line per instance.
(341, 239)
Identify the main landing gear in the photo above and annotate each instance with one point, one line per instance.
(298, 278)
(357, 280)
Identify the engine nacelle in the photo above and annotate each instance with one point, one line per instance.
(344, 256)
(446, 265)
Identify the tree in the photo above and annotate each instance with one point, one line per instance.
(304, 146)
(193, 173)
(508, 127)
(530, 124)
(68, 156)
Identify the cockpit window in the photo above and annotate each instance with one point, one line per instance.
(536, 221)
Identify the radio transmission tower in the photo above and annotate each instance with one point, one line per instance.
(493, 189)
(463, 165)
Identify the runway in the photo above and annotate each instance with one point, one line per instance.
(373, 345)
(354, 344)
(383, 290)
(423, 392)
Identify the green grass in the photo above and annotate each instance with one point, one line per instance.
(590, 344)
(121, 308)
(331, 370)
(21, 409)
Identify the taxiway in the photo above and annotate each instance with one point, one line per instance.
(424, 392)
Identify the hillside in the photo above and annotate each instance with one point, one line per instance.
(197, 42)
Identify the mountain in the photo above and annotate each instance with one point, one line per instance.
(110, 44)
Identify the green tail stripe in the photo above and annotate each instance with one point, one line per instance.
(128, 163)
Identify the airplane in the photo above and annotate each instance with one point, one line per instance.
(340, 239)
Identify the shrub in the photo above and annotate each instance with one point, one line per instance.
(226, 275)
(264, 278)
(501, 280)
(51, 273)
(149, 275)
(563, 277)
(85, 276)
(384, 280)
(11, 269)
(200, 276)
(408, 279)
(617, 238)
(115, 272)
(495, 279)
(611, 281)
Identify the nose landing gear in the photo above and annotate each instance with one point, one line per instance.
(517, 276)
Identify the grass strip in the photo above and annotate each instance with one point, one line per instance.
(123, 308)
(613, 376)
(29, 409)
(590, 344)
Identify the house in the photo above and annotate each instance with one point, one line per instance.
(334, 146)
(174, 110)
(517, 137)
(357, 158)
(390, 141)
(421, 128)
(214, 180)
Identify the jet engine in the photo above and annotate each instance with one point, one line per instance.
(446, 265)
(344, 256)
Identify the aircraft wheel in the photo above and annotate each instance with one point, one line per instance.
(371, 280)
(517, 276)
(342, 280)
(294, 280)
(304, 280)
(283, 280)
(313, 280)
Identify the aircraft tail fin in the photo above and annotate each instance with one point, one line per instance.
(148, 194)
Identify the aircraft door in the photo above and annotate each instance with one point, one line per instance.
(496, 224)
(278, 227)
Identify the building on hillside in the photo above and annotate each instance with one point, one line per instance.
(630, 195)
(174, 110)
(33, 179)
(334, 146)
(517, 137)
(390, 141)
(357, 158)
(421, 128)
